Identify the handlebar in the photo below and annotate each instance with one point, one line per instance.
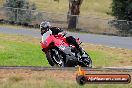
(60, 34)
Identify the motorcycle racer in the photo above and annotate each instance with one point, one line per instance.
(47, 29)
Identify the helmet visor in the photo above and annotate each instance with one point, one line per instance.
(43, 30)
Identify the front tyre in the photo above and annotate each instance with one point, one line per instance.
(49, 58)
(55, 58)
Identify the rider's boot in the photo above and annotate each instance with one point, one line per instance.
(81, 51)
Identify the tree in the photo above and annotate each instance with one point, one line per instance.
(19, 10)
(73, 13)
(129, 10)
(122, 9)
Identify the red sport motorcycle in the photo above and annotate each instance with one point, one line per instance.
(60, 53)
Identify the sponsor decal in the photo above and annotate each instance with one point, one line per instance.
(83, 78)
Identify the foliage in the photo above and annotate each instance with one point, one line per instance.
(118, 8)
(22, 11)
(122, 9)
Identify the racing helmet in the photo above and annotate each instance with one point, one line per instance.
(44, 26)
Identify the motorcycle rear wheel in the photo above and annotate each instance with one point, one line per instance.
(87, 61)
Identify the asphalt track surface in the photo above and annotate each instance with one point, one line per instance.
(111, 41)
(37, 68)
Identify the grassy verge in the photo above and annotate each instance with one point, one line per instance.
(106, 56)
(53, 84)
(92, 7)
(20, 51)
(11, 26)
(26, 51)
(46, 79)
(14, 26)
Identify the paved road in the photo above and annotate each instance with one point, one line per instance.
(112, 41)
(38, 68)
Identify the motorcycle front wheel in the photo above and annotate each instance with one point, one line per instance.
(55, 58)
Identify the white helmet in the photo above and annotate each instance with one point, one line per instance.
(45, 25)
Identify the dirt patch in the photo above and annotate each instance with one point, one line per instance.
(56, 75)
(47, 75)
(2, 47)
(49, 79)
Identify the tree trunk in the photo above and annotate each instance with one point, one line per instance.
(73, 13)
(72, 22)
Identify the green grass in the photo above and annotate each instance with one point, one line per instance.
(100, 59)
(15, 53)
(103, 56)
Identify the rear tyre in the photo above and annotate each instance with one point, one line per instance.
(86, 61)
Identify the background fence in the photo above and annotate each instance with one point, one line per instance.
(33, 18)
